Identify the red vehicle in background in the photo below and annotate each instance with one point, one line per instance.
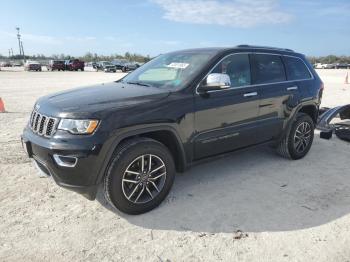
(74, 65)
(56, 65)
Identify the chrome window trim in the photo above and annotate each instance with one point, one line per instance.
(255, 85)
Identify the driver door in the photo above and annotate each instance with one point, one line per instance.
(227, 119)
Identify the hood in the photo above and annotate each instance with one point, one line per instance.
(91, 101)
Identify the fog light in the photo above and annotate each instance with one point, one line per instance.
(66, 161)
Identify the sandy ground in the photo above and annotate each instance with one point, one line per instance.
(251, 206)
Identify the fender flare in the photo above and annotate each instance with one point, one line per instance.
(294, 114)
(124, 134)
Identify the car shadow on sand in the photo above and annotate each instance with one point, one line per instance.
(255, 191)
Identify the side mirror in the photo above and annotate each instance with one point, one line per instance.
(215, 81)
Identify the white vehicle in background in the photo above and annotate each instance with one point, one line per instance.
(32, 66)
(324, 66)
(318, 65)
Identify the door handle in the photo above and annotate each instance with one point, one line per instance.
(250, 94)
(292, 88)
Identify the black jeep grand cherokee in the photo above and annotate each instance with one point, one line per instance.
(132, 135)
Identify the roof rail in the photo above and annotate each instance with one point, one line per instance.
(265, 47)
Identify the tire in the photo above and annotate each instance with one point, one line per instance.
(141, 195)
(295, 145)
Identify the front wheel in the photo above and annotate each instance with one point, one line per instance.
(297, 142)
(140, 176)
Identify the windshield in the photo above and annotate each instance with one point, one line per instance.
(172, 71)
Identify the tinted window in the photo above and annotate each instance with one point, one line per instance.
(296, 69)
(237, 67)
(267, 69)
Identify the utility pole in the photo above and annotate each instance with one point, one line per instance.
(24, 58)
(20, 44)
(9, 53)
(19, 41)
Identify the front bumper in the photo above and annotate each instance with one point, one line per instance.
(80, 178)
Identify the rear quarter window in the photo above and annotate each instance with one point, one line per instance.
(296, 69)
(267, 69)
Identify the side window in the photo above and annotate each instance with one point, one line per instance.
(267, 69)
(237, 67)
(296, 69)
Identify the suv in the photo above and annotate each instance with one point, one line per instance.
(74, 65)
(56, 65)
(129, 66)
(132, 135)
(106, 66)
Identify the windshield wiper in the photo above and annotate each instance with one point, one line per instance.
(138, 83)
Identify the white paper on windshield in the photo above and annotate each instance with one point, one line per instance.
(178, 65)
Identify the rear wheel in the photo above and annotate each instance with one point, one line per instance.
(140, 176)
(297, 142)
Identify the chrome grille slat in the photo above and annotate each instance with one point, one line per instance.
(36, 122)
(42, 125)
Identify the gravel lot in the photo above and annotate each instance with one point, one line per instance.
(251, 206)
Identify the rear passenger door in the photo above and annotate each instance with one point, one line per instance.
(276, 94)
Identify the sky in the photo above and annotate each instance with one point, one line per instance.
(152, 27)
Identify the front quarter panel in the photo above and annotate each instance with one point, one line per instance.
(174, 114)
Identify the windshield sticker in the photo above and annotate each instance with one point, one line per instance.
(178, 65)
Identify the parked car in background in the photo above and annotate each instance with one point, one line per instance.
(328, 66)
(91, 64)
(324, 66)
(74, 65)
(6, 64)
(32, 66)
(341, 66)
(125, 65)
(56, 65)
(119, 63)
(106, 66)
(318, 65)
(129, 66)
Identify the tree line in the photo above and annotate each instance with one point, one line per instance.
(93, 57)
(88, 57)
(330, 59)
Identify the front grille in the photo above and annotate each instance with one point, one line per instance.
(43, 125)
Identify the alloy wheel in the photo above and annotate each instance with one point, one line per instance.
(302, 136)
(144, 179)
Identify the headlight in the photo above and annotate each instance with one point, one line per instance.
(76, 126)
